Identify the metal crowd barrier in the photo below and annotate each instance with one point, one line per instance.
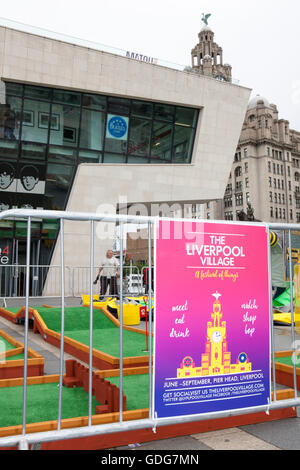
(132, 280)
(42, 278)
(45, 280)
(24, 440)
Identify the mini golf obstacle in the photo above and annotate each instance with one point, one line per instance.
(42, 395)
(135, 309)
(106, 334)
(284, 368)
(12, 359)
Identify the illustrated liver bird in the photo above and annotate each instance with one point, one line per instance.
(205, 18)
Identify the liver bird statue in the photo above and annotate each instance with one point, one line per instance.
(205, 18)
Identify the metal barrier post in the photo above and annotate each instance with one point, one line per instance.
(292, 315)
(121, 324)
(26, 323)
(150, 315)
(62, 332)
(91, 321)
(271, 323)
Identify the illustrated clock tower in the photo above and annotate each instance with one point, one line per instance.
(216, 360)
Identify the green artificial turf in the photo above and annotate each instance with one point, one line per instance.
(106, 335)
(5, 345)
(136, 389)
(288, 360)
(15, 358)
(12, 310)
(76, 318)
(42, 404)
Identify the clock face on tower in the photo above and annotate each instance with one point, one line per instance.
(216, 336)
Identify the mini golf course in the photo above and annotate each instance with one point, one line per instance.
(106, 334)
(43, 391)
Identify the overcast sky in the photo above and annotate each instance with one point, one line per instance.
(260, 38)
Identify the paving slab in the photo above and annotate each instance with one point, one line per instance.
(178, 444)
(284, 434)
(233, 439)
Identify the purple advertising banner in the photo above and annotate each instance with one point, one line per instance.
(212, 326)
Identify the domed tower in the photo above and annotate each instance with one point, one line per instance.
(207, 56)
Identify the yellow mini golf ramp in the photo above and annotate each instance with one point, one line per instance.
(131, 309)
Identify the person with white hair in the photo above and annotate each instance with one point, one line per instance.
(108, 273)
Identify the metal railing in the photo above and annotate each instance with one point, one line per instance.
(25, 439)
(42, 279)
(132, 281)
(46, 281)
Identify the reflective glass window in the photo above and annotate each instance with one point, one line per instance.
(114, 158)
(139, 137)
(10, 115)
(35, 121)
(96, 102)
(35, 92)
(92, 130)
(58, 182)
(183, 144)
(64, 125)
(6, 228)
(137, 160)
(164, 112)
(49, 229)
(89, 157)
(142, 109)
(13, 89)
(118, 106)
(66, 97)
(9, 151)
(186, 116)
(161, 141)
(33, 152)
(62, 155)
(21, 229)
(115, 145)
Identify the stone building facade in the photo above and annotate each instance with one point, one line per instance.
(207, 57)
(266, 169)
(265, 173)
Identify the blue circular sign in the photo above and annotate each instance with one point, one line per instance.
(117, 127)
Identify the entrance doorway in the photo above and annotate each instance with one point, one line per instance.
(13, 268)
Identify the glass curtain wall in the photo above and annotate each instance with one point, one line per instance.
(45, 133)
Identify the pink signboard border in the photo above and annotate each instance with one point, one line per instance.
(268, 299)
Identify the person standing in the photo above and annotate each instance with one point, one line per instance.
(108, 273)
(9, 123)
